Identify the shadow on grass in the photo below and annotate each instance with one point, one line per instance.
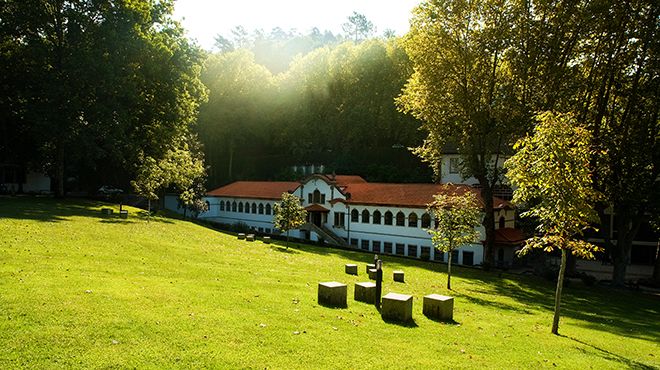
(117, 221)
(46, 209)
(445, 322)
(405, 324)
(283, 249)
(612, 356)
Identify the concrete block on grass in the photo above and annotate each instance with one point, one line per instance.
(370, 266)
(351, 269)
(123, 214)
(372, 274)
(106, 211)
(439, 307)
(399, 276)
(266, 239)
(365, 292)
(249, 237)
(332, 294)
(241, 236)
(397, 307)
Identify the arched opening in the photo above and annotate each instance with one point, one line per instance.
(388, 218)
(233, 206)
(268, 209)
(316, 196)
(247, 207)
(426, 220)
(240, 206)
(365, 217)
(261, 208)
(355, 215)
(228, 206)
(400, 219)
(502, 222)
(222, 205)
(254, 207)
(376, 217)
(412, 219)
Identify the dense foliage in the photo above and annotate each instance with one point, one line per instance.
(91, 86)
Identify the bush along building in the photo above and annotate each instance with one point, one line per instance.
(347, 211)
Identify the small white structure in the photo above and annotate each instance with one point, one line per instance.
(382, 218)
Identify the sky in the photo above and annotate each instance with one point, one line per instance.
(203, 19)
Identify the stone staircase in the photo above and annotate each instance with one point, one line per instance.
(328, 235)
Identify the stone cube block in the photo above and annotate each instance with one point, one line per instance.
(370, 266)
(106, 211)
(266, 239)
(397, 307)
(249, 237)
(439, 307)
(332, 294)
(365, 292)
(241, 236)
(351, 269)
(123, 214)
(372, 274)
(399, 276)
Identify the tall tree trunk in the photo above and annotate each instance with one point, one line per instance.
(489, 225)
(451, 252)
(287, 239)
(231, 159)
(627, 226)
(560, 285)
(656, 267)
(60, 171)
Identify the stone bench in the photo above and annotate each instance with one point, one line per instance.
(397, 307)
(241, 236)
(106, 211)
(365, 292)
(439, 307)
(370, 266)
(123, 214)
(266, 239)
(372, 274)
(249, 237)
(351, 269)
(332, 294)
(399, 276)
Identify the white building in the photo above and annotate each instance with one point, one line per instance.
(382, 218)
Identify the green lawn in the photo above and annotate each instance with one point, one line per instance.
(81, 290)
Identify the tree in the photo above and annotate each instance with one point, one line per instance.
(289, 214)
(552, 174)
(181, 168)
(467, 89)
(358, 27)
(101, 82)
(457, 215)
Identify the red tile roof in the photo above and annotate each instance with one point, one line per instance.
(357, 189)
(255, 189)
(509, 235)
(407, 195)
(316, 208)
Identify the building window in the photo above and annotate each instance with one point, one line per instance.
(412, 219)
(322, 198)
(387, 246)
(317, 196)
(228, 206)
(354, 242)
(268, 208)
(354, 215)
(468, 258)
(376, 218)
(502, 222)
(388, 218)
(375, 245)
(247, 207)
(426, 253)
(254, 207)
(400, 249)
(364, 245)
(233, 206)
(439, 256)
(340, 219)
(426, 220)
(208, 205)
(261, 229)
(267, 230)
(310, 199)
(412, 251)
(454, 165)
(365, 217)
(222, 206)
(400, 219)
(261, 208)
(454, 256)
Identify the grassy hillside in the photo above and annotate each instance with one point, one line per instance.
(81, 290)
